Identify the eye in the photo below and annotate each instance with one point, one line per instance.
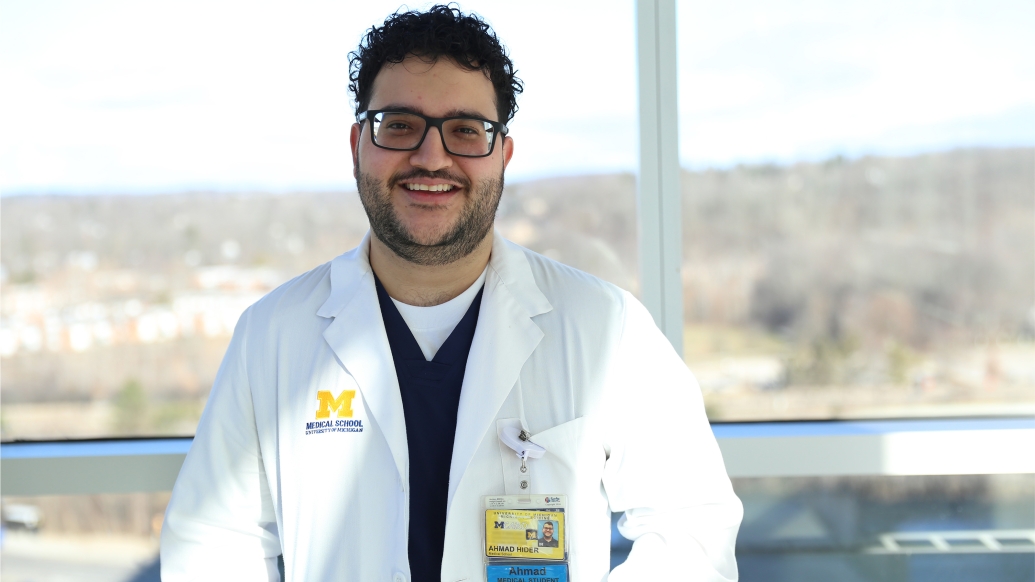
(396, 126)
(399, 123)
(468, 129)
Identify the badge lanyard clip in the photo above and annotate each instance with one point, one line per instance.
(519, 440)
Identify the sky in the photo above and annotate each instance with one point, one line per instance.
(109, 96)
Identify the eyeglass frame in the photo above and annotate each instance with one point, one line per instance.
(429, 122)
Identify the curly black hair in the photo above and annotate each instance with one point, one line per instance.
(442, 31)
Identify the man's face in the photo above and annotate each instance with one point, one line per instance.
(548, 530)
(428, 206)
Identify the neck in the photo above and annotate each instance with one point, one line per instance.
(425, 285)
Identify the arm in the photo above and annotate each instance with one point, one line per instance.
(220, 523)
(664, 469)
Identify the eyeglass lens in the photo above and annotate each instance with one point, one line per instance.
(403, 131)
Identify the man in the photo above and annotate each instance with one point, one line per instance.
(358, 419)
(547, 540)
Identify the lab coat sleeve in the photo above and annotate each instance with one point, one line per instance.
(664, 468)
(220, 523)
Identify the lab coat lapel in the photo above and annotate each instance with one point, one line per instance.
(357, 336)
(504, 339)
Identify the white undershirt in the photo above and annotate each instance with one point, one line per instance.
(431, 326)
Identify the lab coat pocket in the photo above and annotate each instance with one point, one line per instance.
(572, 466)
(557, 470)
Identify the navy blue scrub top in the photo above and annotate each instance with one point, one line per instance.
(430, 396)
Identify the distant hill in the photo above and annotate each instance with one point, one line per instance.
(927, 250)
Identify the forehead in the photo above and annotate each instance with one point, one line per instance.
(437, 89)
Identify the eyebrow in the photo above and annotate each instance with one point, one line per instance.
(457, 112)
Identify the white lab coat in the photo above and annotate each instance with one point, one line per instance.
(574, 360)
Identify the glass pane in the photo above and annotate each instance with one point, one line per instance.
(973, 527)
(859, 207)
(153, 187)
(887, 529)
(89, 538)
(944, 528)
(571, 190)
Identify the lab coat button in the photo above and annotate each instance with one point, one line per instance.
(399, 578)
(524, 484)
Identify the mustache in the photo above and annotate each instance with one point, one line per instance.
(416, 173)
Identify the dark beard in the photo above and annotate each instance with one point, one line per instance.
(471, 227)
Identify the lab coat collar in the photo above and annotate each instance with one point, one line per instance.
(347, 274)
(357, 336)
(510, 264)
(507, 261)
(504, 339)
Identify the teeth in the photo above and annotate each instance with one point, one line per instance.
(435, 188)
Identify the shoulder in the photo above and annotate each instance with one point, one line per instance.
(573, 293)
(583, 318)
(293, 302)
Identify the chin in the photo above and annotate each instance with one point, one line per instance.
(429, 235)
(425, 240)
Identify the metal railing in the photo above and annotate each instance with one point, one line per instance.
(964, 541)
(763, 449)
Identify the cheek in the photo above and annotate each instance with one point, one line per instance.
(479, 169)
(371, 161)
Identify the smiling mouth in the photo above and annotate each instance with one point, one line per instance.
(430, 187)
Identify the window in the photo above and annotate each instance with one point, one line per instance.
(857, 204)
(858, 198)
(172, 163)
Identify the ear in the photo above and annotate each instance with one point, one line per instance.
(508, 150)
(354, 135)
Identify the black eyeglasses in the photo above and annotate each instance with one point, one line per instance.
(470, 137)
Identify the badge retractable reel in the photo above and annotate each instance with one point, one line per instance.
(525, 537)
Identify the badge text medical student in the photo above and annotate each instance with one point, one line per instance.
(341, 406)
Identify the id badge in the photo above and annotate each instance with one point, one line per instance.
(526, 538)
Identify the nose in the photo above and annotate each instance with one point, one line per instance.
(431, 155)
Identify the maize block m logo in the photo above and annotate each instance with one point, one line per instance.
(342, 404)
